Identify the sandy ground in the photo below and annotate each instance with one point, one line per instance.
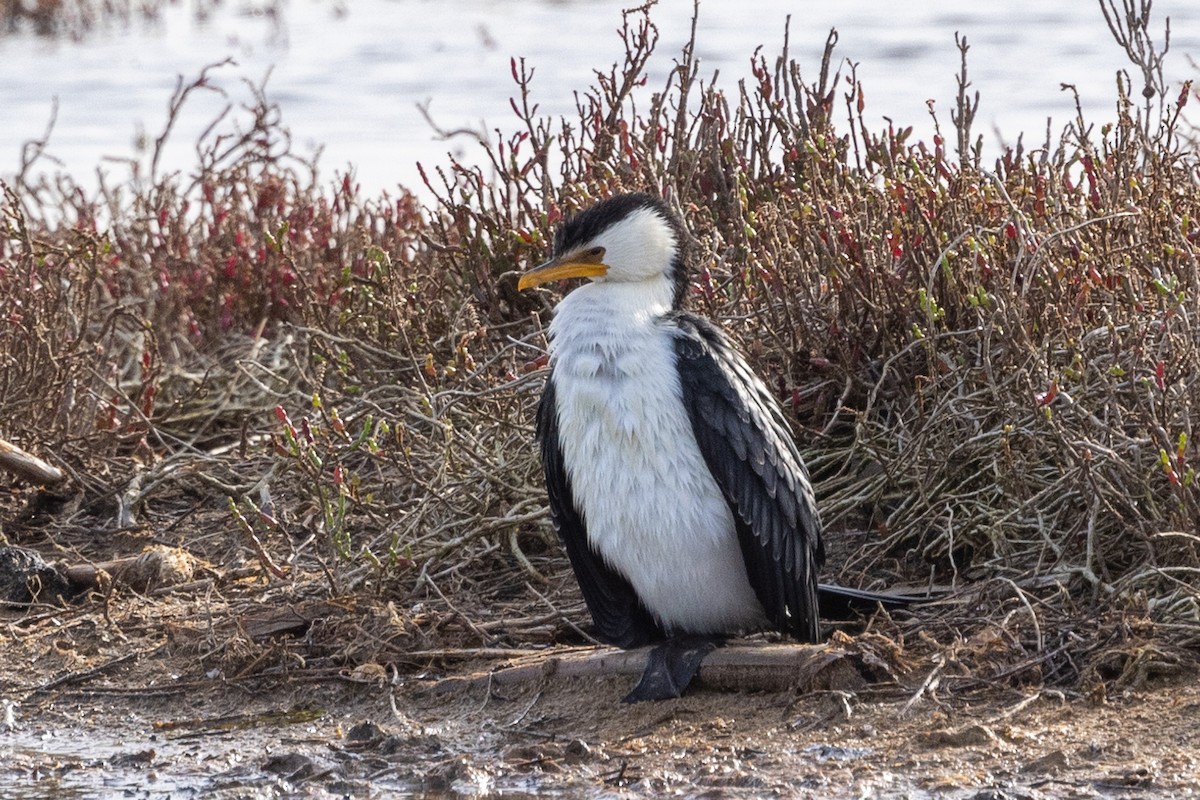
(148, 726)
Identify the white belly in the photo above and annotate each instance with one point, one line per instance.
(653, 510)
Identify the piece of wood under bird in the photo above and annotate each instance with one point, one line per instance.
(674, 480)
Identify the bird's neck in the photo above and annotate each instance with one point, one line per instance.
(608, 317)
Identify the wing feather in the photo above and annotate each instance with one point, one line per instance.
(748, 446)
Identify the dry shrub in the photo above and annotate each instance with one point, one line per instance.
(992, 370)
(72, 18)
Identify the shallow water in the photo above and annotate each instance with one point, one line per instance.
(349, 76)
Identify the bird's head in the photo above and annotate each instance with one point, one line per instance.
(629, 238)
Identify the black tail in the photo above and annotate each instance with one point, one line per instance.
(840, 602)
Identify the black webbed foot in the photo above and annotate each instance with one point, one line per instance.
(671, 667)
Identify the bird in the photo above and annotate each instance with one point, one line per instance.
(673, 476)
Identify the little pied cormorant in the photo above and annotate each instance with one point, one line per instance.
(674, 480)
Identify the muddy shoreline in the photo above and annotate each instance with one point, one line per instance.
(359, 734)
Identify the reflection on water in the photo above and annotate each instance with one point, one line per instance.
(348, 77)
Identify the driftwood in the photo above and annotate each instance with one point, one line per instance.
(26, 576)
(29, 467)
(156, 567)
(292, 620)
(750, 666)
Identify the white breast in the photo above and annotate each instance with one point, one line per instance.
(653, 510)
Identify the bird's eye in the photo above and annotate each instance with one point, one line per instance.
(596, 252)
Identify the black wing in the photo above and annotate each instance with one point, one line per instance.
(620, 617)
(749, 449)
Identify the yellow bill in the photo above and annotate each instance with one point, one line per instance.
(587, 264)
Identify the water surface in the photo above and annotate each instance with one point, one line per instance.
(349, 76)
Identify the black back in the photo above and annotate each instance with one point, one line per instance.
(748, 446)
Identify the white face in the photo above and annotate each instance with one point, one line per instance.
(638, 248)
